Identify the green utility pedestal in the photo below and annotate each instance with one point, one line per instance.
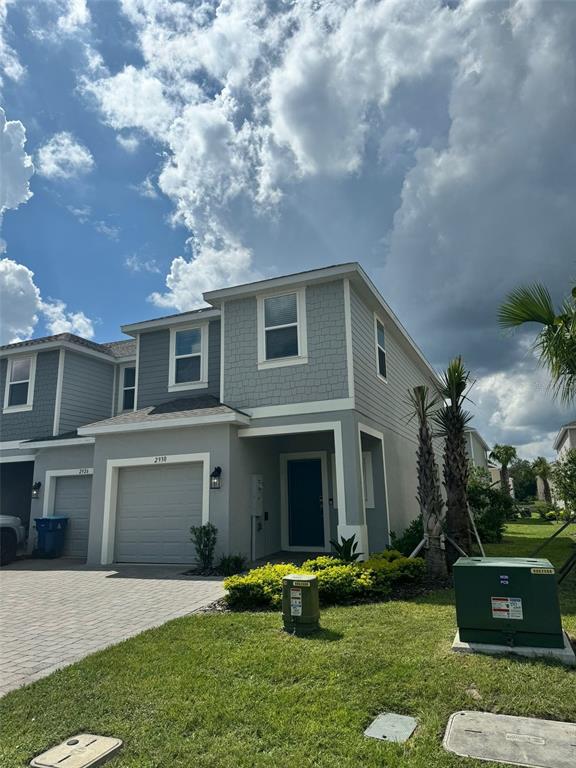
(507, 601)
(300, 604)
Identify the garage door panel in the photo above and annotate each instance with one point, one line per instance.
(156, 506)
(72, 498)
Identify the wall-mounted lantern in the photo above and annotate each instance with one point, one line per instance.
(216, 479)
(36, 489)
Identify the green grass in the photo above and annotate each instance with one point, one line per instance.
(234, 691)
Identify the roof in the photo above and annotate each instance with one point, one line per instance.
(560, 436)
(479, 436)
(57, 441)
(183, 412)
(114, 349)
(193, 315)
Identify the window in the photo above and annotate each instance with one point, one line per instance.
(380, 349)
(368, 479)
(19, 392)
(282, 336)
(188, 358)
(127, 388)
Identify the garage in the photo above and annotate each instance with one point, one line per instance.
(156, 505)
(72, 498)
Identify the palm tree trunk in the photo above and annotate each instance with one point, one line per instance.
(547, 490)
(505, 480)
(456, 481)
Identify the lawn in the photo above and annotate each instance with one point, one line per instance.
(232, 690)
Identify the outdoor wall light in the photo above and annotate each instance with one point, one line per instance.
(216, 479)
(36, 489)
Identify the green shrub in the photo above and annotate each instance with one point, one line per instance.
(259, 588)
(491, 508)
(346, 549)
(407, 542)
(387, 554)
(542, 508)
(551, 516)
(321, 562)
(228, 565)
(204, 539)
(398, 570)
(344, 583)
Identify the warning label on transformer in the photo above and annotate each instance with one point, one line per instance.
(507, 608)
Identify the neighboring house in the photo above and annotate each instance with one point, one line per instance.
(566, 439)
(279, 413)
(478, 449)
(496, 474)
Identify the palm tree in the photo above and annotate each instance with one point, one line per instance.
(543, 469)
(428, 494)
(504, 454)
(451, 420)
(556, 342)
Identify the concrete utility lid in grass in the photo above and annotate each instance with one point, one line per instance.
(514, 740)
(86, 750)
(391, 727)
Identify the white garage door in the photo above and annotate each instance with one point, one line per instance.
(155, 508)
(72, 498)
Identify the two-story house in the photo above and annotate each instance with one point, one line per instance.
(279, 413)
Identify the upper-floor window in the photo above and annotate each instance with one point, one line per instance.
(127, 387)
(19, 391)
(380, 348)
(282, 329)
(188, 358)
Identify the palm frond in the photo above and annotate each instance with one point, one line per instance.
(527, 304)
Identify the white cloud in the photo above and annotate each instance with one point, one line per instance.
(128, 143)
(219, 261)
(63, 157)
(146, 188)
(75, 16)
(15, 165)
(135, 264)
(58, 320)
(10, 65)
(20, 302)
(21, 306)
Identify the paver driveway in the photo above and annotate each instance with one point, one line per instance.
(53, 613)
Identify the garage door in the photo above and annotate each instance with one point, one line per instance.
(155, 508)
(72, 498)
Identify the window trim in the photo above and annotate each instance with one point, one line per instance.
(29, 404)
(122, 388)
(281, 362)
(368, 480)
(377, 347)
(202, 383)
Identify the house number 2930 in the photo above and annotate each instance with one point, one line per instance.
(160, 459)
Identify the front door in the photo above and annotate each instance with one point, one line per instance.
(305, 503)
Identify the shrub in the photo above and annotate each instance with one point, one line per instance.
(259, 588)
(551, 515)
(491, 508)
(542, 508)
(407, 542)
(390, 572)
(204, 539)
(387, 554)
(344, 583)
(231, 564)
(321, 562)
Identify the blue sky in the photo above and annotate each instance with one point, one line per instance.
(178, 147)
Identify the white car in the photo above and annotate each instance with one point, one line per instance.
(12, 535)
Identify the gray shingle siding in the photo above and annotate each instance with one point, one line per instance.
(87, 388)
(324, 377)
(154, 367)
(384, 402)
(38, 422)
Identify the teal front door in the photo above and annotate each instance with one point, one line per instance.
(305, 504)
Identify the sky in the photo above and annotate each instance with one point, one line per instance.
(151, 150)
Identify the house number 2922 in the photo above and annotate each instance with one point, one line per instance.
(160, 459)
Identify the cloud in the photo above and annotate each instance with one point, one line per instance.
(75, 16)
(135, 264)
(58, 320)
(63, 157)
(15, 165)
(21, 306)
(10, 65)
(128, 143)
(146, 188)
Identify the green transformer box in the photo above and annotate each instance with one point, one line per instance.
(507, 601)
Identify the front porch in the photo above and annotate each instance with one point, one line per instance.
(306, 485)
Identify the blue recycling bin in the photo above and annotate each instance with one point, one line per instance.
(51, 535)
